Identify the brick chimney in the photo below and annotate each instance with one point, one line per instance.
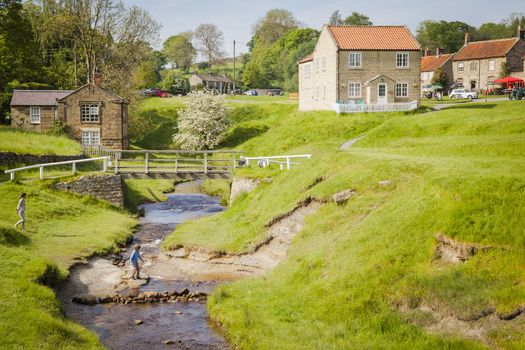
(98, 79)
(467, 38)
(439, 51)
(427, 52)
(521, 32)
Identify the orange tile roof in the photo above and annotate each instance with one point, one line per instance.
(374, 38)
(431, 63)
(485, 49)
(307, 58)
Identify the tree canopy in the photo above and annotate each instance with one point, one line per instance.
(179, 50)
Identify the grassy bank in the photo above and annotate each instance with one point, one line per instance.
(217, 188)
(458, 172)
(140, 191)
(25, 142)
(62, 230)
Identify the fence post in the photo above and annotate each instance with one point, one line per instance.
(116, 165)
(41, 173)
(234, 161)
(205, 162)
(176, 163)
(288, 163)
(105, 165)
(74, 167)
(12, 176)
(147, 163)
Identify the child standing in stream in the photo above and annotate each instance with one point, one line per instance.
(21, 211)
(134, 259)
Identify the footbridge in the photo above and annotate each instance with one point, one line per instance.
(154, 164)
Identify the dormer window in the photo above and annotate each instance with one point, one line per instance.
(89, 112)
(354, 60)
(402, 60)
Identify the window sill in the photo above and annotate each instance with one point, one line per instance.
(355, 68)
(402, 67)
(90, 122)
(35, 123)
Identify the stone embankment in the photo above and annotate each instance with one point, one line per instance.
(240, 185)
(106, 187)
(11, 159)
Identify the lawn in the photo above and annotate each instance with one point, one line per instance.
(20, 141)
(458, 171)
(61, 232)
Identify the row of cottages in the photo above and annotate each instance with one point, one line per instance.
(94, 116)
(478, 63)
(216, 83)
(369, 66)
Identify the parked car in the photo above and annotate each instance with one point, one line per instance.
(462, 93)
(251, 93)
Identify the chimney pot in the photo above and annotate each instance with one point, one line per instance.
(521, 32)
(98, 79)
(439, 51)
(467, 38)
(427, 52)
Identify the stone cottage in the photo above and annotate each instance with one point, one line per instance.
(478, 63)
(370, 65)
(216, 83)
(430, 63)
(93, 115)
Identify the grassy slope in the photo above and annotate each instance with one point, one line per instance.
(60, 231)
(457, 171)
(20, 141)
(140, 191)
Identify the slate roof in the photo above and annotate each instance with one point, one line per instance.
(431, 63)
(388, 38)
(307, 58)
(485, 49)
(38, 97)
(217, 78)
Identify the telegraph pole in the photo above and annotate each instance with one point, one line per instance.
(234, 67)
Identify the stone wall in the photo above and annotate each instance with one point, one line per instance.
(20, 118)
(105, 187)
(11, 159)
(240, 185)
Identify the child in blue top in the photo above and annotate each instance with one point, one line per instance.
(134, 259)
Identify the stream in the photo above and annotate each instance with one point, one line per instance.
(183, 325)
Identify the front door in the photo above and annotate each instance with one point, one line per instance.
(382, 98)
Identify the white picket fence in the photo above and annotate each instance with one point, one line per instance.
(363, 107)
(283, 161)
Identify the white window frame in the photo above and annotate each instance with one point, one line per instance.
(323, 63)
(90, 137)
(492, 65)
(358, 56)
(352, 90)
(93, 112)
(474, 66)
(461, 67)
(406, 61)
(401, 85)
(490, 79)
(317, 92)
(34, 114)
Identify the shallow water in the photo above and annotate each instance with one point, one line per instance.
(184, 323)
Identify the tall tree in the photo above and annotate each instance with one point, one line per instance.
(275, 24)
(336, 18)
(449, 36)
(210, 40)
(357, 19)
(489, 31)
(179, 51)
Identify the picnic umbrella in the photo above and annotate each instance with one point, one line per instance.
(436, 87)
(509, 81)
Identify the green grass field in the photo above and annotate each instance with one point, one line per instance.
(60, 233)
(458, 171)
(20, 141)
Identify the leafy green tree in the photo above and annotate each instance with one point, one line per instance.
(357, 19)
(336, 18)
(275, 24)
(440, 77)
(175, 82)
(449, 36)
(504, 70)
(179, 50)
(489, 31)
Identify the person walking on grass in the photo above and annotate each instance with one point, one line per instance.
(134, 259)
(21, 211)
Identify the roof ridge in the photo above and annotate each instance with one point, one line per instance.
(492, 40)
(24, 90)
(366, 26)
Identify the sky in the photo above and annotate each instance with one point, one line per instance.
(235, 18)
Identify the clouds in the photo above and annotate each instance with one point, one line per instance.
(236, 17)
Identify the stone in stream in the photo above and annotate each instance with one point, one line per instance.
(137, 322)
(86, 299)
(168, 341)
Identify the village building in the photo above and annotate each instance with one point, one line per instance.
(93, 116)
(211, 82)
(431, 63)
(369, 66)
(477, 64)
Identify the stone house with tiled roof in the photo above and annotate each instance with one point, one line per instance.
(478, 63)
(93, 116)
(211, 82)
(373, 65)
(430, 63)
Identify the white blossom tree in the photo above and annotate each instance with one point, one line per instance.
(203, 123)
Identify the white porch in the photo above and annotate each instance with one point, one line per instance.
(353, 107)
